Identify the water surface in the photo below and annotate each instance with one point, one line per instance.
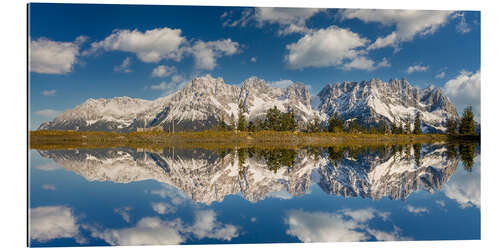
(130, 196)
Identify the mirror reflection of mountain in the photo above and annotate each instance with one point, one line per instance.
(207, 176)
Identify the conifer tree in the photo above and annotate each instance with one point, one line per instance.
(242, 121)
(417, 129)
(232, 124)
(451, 126)
(466, 126)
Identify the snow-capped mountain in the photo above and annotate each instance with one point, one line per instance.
(205, 100)
(373, 101)
(206, 176)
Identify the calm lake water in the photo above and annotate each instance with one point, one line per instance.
(125, 196)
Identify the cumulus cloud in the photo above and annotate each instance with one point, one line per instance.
(253, 59)
(206, 53)
(124, 212)
(281, 83)
(332, 46)
(416, 210)
(53, 222)
(52, 57)
(155, 231)
(48, 113)
(346, 225)
(289, 20)
(49, 187)
(408, 23)
(417, 68)
(51, 92)
(163, 207)
(152, 46)
(149, 46)
(124, 67)
(464, 187)
(441, 75)
(465, 90)
(163, 71)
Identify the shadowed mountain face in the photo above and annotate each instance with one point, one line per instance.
(204, 101)
(208, 176)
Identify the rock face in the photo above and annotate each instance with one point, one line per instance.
(373, 101)
(206, 176)
(205, 100)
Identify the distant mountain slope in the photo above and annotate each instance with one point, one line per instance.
(201, 103)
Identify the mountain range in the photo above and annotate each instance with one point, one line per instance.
(207, 176)
(201, 103)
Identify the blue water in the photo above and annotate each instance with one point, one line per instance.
(128, 196)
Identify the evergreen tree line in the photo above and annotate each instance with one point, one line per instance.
(275, 120)
(464, 125)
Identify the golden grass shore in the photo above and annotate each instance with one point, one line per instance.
(217, 139)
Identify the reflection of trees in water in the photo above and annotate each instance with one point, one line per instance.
(277, 158)
(467, 155)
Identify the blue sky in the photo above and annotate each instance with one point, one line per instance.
(101, 51)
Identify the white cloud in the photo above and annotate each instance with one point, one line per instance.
(465, 187)
(417, 68)
(49, 187)
(462, 26)
(253, 59)
(51, 92)
(253, 219)
(365, 63)
(416, 210)
(465, 90)
(163, 207)
(281, 83)
(124, 212)
(441, 75)
(124, 66)
(53, 222)
(48, 113)
(149, 46)
(289, 20)
(206, 53)
(163, 71)
(332, 46)
(347, 225)
(408, 23)
(51, 57)
(168, 88)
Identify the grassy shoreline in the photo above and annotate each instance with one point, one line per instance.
(220, 139)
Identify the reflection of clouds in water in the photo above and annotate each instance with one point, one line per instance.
(206, 226)
(416, 210)
(175, 195)
(148, 231)
(48, 167)
(282, 195)
(465, 187)
(49, 187)
(163, 207)
(124, 212)
(346, 225)
(441, 203)
(52, 222)
(155, 231)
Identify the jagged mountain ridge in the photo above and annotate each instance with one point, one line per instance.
(205, 100)
(205, 176)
